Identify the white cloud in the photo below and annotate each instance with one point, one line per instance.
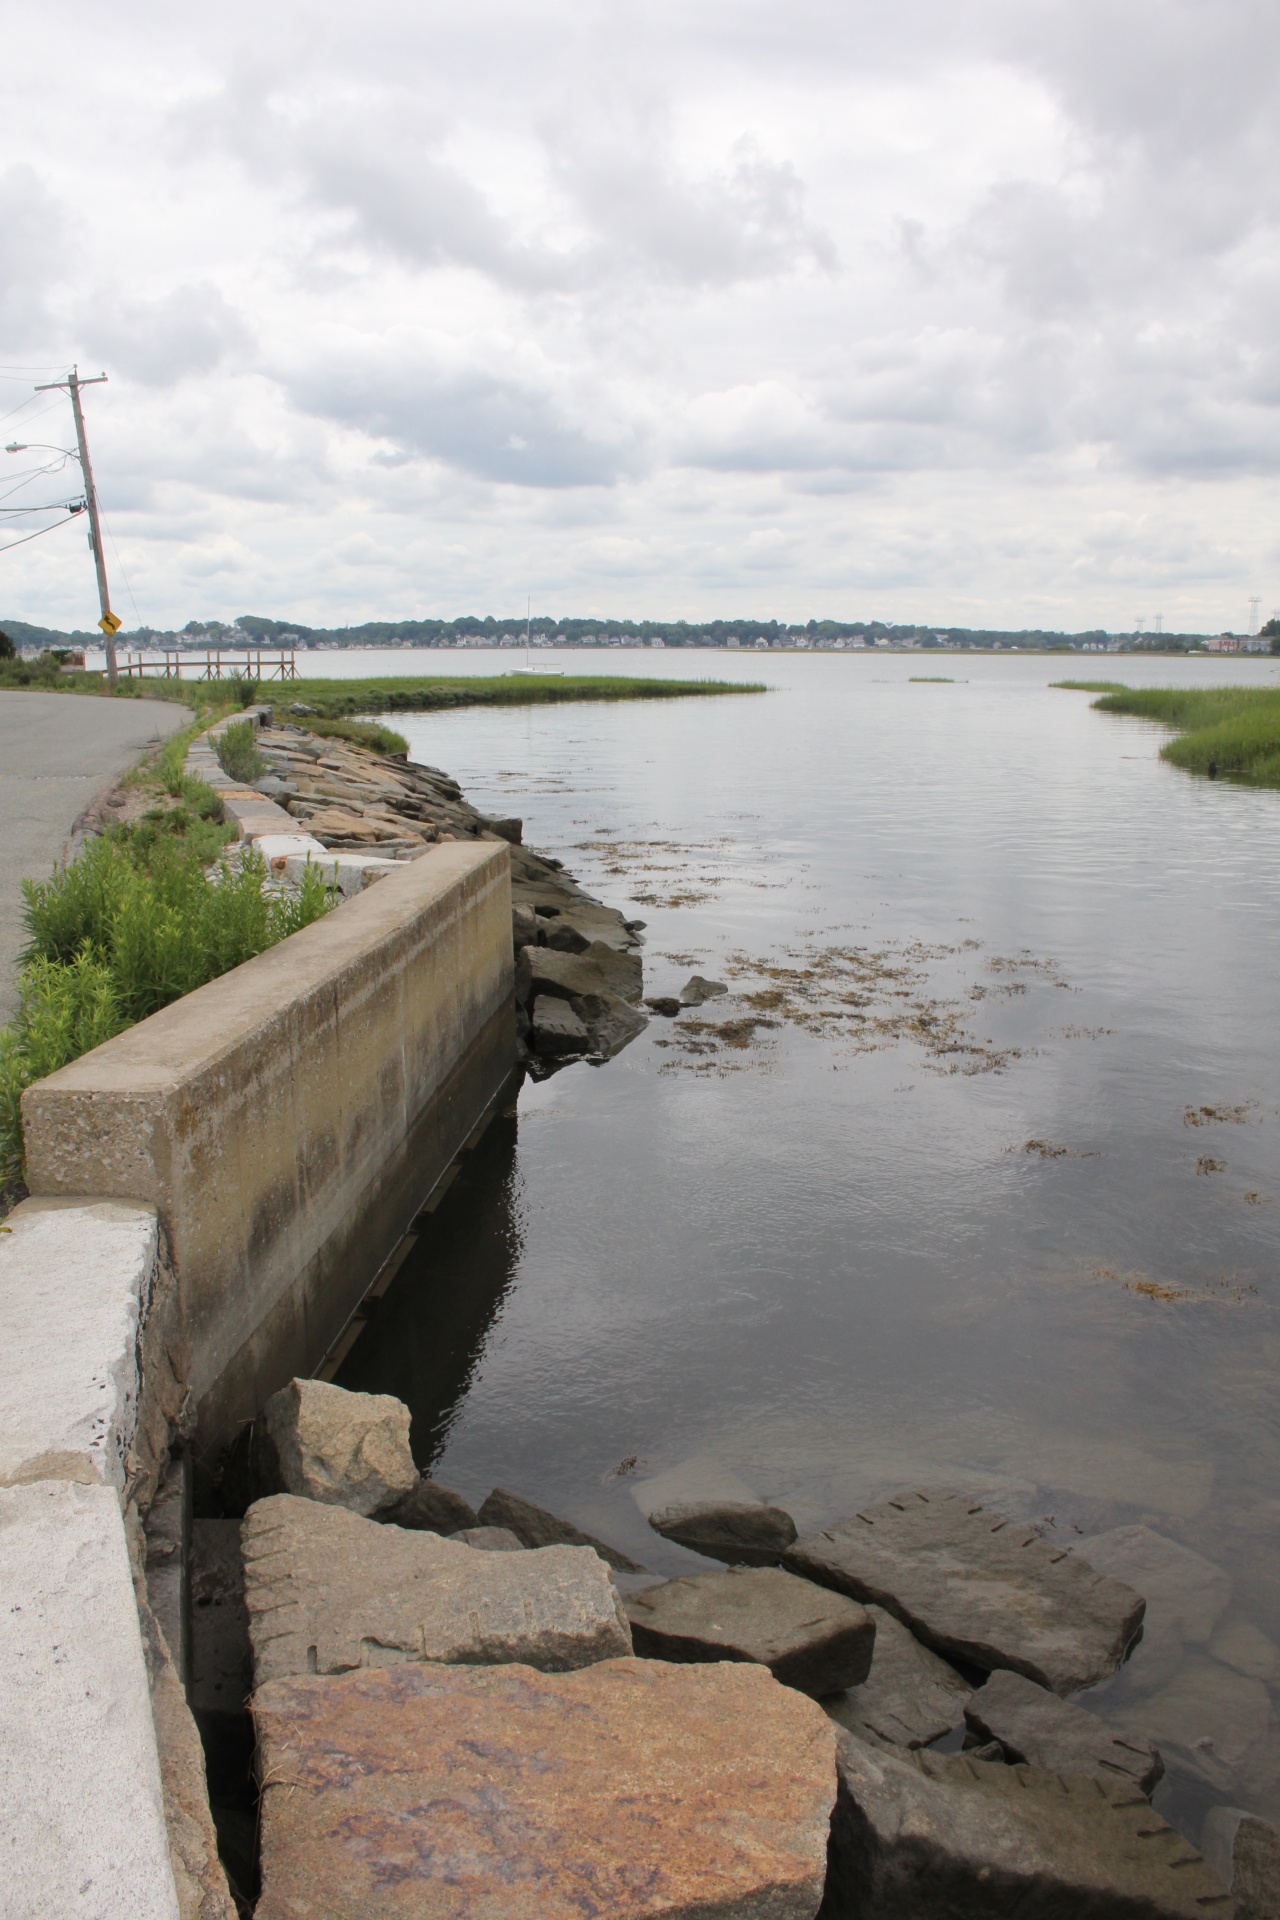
(968, 309)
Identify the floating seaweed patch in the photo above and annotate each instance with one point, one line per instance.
(1049, 1150)
(861, 999)
(1219, 1116)
(1207, 1164)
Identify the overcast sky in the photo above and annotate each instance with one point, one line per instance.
(951, 310)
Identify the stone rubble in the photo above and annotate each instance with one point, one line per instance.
(815, 1641)
(535, 1527)
(1028, 1723)
(738, 1531)
(909, 1698)
(345, 1449)
(925, 1836)
(978, 1589)
(357, 802)
(328, 1591)
(631, 1790)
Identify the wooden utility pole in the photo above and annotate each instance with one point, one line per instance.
(109, 621)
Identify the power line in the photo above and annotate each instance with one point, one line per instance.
(36, 535)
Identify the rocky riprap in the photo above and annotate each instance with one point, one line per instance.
(455, 1714)
(353, 800)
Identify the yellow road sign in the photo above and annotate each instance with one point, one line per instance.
(110, 622)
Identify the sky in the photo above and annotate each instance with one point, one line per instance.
(954, 311)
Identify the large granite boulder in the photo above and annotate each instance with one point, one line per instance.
(909, 1698)
(739, 1531)
(923, 1836)
(430, 1508)
(343, 1449)
(1245, 1852)
(328, 1591)
(817, 1642)
(977, 1588)
(556, 1028)
(535, 1527)
(1032, 1724)
(598, 969)
(628, 1791)
(612, 1023)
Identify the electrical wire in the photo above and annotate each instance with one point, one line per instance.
(54, 506)
(36, 535)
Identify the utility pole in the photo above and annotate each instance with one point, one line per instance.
(109, 621)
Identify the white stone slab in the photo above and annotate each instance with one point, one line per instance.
(75, 1284)
(82, 1832)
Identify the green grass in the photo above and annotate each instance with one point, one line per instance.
(1228, 733)
(131, 924)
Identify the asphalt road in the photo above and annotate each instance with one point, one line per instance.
(57, 751)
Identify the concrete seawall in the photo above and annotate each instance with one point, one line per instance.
(285, 1120)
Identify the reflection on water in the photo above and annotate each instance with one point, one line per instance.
(427, 1334)
(971, 1179)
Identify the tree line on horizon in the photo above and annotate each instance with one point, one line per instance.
(266, 631)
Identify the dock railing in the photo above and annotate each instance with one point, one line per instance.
(213, 663)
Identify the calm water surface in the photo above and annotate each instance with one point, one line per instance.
(815, 1261)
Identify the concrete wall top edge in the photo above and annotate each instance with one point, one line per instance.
(76, 1278)
(195, 1031)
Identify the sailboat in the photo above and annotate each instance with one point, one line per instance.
(528, 634)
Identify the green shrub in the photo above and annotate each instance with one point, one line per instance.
(134, 923)
(237, 750)
(63, 1011)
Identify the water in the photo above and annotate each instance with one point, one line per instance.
(821, 1265)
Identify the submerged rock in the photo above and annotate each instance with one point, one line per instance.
(328, 1591)
(977, 1588)
(696, 990)
(1245, 1853)
(1034, 1725)
(909, 1698)
(631, 1790)
(430, 1508)
(344, 1449)
(933, 1837)
(814, 1641)
(535, 1527)
(740, 1531)
(665, 1004)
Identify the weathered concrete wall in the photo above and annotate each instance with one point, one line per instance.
(82, 1825)
(285, 1119)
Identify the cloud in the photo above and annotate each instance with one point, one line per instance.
(35, 255)
(185, 332)
(685, 294)
(481, 423)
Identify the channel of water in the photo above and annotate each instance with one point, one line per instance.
(979, 1187)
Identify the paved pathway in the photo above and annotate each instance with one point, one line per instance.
(57, 750)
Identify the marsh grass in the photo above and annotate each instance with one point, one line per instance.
(1228, 733)
(361, 733)
(338, 699)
